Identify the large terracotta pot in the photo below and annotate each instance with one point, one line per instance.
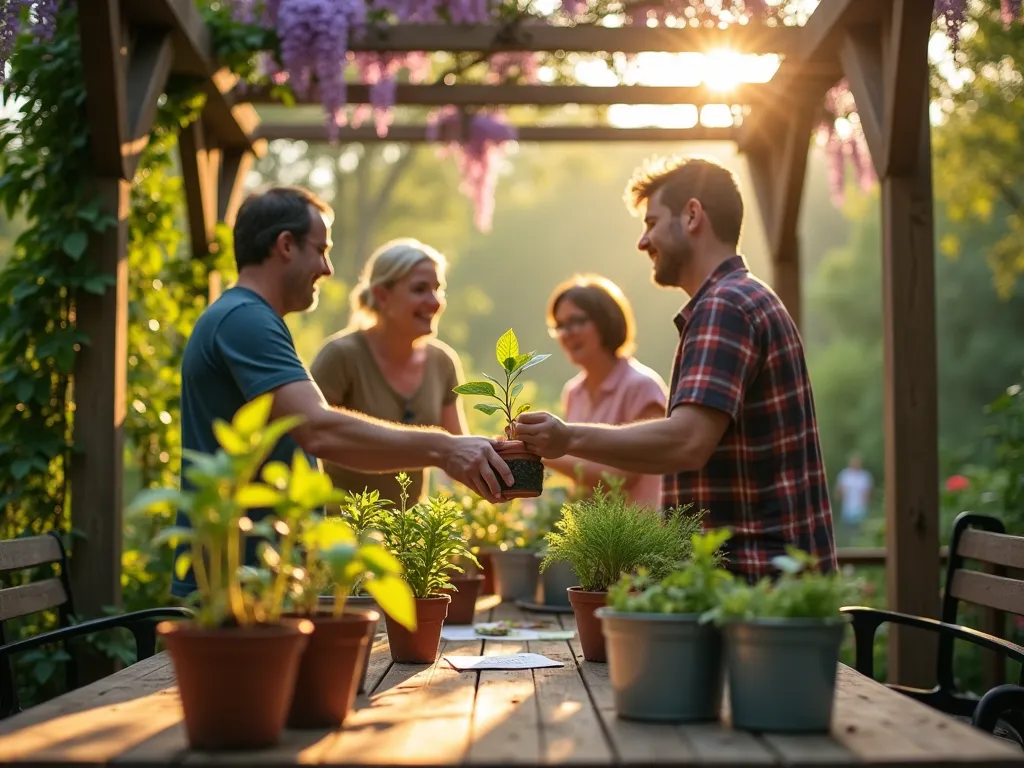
(587, 624)
(330, 669)
(236, 684)
(419, 647)
(462, 609)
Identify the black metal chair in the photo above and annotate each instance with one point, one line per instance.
(977, 538)
(55, 593)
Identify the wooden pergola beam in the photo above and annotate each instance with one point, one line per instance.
(543, 37)
(550, 134)
(231, 124)
(436, 95)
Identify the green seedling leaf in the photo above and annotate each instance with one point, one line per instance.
(476, 388)
(182, 564)
(229, 439)
(507, 347)
(490, 410)
(257, 495)
(534, 361)
(252, 416)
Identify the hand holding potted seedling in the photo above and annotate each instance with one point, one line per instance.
(526, 467)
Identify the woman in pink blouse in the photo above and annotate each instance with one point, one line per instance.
(593, 322)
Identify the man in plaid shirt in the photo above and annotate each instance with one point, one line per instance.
(740, 439)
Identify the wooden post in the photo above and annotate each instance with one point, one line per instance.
(887, 68)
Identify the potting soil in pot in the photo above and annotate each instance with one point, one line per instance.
(529, 476)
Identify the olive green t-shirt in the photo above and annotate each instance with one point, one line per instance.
(348, 375)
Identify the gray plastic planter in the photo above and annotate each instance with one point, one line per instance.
(515, 574)
(782, 673)
(663, 667)
(555, 582)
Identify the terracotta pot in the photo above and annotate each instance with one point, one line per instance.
(462, 609)
(487, 569)
(419, 647)
(587, 624)
(330, 669)
(359, 604)
(527, 470)
(236, 684)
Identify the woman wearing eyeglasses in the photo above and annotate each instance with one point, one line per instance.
(593, 322)
(387, 363)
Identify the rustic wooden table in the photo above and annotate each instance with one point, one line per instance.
(434, 715)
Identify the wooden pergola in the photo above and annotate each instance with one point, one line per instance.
(130, 47)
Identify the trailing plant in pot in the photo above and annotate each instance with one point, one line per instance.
(527, 468)
(427, 541)
(331, 553)
(605, 536)
(784, 637)
(664, 656)
(237, 662)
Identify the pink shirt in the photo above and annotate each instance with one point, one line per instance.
(622, 397)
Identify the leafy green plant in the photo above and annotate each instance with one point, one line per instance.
(606, 535)
(801, 592)
(692, 589)
(224, 488)
(427, 540)
(334, 549)
(512, 365)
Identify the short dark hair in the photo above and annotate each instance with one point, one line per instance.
(680, 179)
(265, 215)
(604, 304)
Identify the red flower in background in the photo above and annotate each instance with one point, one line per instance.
(955, 483)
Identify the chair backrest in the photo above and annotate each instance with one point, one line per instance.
(998, 585)
(35, 596)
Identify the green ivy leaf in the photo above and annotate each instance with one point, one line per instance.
(98, 284)
(74, 244)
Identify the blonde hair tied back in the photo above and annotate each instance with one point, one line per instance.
(386, 266)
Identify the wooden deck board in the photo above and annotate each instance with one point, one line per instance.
(432, 714)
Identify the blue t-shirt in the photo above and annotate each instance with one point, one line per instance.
(239, 349)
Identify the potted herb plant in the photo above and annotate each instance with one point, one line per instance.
(237, 662)
(527, 468)
(605, 536)
(331, 552)
(427, 541)
(784, 637)
(664, 656)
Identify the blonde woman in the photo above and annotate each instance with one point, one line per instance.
(387, 363)
(593, 322)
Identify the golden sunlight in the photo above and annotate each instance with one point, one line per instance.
(720, 72)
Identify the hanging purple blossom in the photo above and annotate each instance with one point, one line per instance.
(44, 19)
(575, 8)
(244, 11)
(478, 143)
(839, 149)
(41, 18)
(314, 42)
(954, 14)
(1010, 10)
(524, 65)
(10, 26)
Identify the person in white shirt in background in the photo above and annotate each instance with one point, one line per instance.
(854, 485)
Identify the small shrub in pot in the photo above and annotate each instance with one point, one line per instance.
(605, 536)
(527, 468)
(664, 656)
(427, 540)
(782, 643)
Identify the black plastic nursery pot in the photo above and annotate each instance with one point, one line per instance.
(527, 471)
(782, 673)
(663, 667)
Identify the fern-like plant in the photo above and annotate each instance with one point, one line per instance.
(427, 540)
(606, 536)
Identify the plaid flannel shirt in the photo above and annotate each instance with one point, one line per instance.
(740, 352)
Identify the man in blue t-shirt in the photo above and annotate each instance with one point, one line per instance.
(241, 348)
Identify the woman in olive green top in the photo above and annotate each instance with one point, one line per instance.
(388, 363)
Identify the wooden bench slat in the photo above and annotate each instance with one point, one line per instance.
(31, 598)
(996, 548)
(989, 591)
(19, 554)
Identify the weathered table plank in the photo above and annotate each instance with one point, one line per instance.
(435, 715)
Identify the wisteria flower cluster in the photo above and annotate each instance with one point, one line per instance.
(479, 143)
(42, 19)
